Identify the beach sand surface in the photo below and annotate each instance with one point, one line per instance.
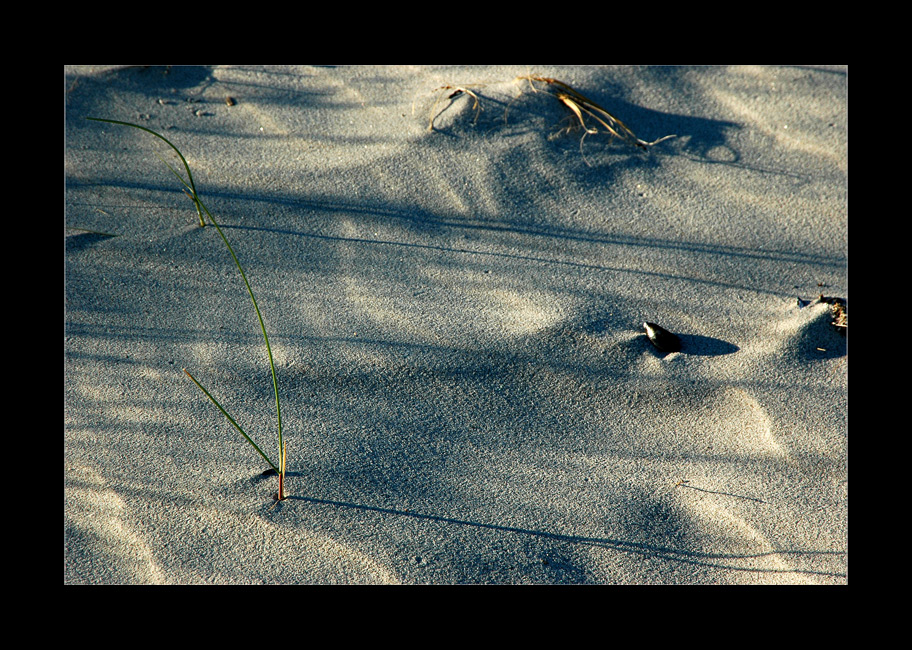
(454, 277)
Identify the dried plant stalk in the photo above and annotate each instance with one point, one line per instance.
(581, 107)
(457, 91)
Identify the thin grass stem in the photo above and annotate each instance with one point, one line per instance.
(168, 142)
(231, 420)
(200, 208)
(282, 473)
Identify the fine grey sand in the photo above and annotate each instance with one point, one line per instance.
(456, 315)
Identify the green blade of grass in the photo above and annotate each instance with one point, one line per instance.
(200, 208)
(256, 308)
(231, 419)
(179, 154)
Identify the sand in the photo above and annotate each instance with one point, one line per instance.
(467, 391)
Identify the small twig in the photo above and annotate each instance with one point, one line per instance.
(684, 482)
(457, 91)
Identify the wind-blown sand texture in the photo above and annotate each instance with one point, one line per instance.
(456, 314)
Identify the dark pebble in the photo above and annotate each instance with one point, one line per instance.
(662, 338)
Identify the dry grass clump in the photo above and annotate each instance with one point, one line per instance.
(587, 111)
(586, 114)
(839, 308)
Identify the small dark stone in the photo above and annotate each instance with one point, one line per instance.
(662, 338)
